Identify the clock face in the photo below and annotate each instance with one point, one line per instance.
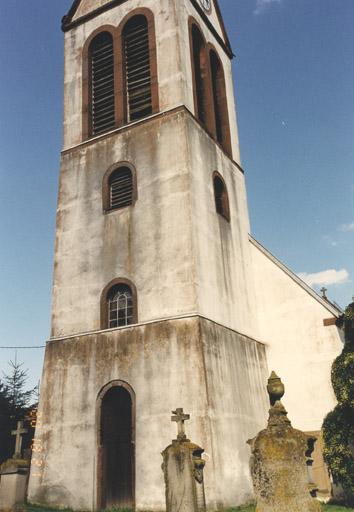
(206, 4)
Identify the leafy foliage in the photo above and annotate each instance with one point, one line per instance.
(338, 426)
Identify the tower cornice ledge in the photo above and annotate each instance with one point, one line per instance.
(151, 322)
(127, 127)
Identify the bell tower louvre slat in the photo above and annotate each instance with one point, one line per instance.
(102, 84)
(137, 69)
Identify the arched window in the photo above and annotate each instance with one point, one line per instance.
(119, 76)
(222, 129)
(221, 197)
(101, 84)
(119, 189)
(199, 72)
(118, 305)
(137, 68)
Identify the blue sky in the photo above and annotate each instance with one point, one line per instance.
(294, 76)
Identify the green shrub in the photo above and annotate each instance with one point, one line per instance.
(338, 426)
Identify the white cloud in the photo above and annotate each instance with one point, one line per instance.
(263, 4)
(347, 227)
(326, 277)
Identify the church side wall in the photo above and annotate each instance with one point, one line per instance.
(299, 348)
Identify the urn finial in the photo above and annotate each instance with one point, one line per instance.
(275, 388)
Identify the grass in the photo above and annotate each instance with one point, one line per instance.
(247, 508)
(325, 508)
(336, 508)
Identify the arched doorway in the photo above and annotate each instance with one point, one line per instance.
(116, 446)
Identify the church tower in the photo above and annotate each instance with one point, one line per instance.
(153, 298)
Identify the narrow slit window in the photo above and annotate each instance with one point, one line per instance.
(102, 101)
(121, 188)
(120, 306)
(221, 197)
(137, 68)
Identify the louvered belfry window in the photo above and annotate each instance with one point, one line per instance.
(121, 188)
(102, 84)
(137, 68)
(120, 306)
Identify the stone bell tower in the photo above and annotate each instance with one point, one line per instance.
(153, 302)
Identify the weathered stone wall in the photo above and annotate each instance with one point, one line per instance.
(167, 243)
(139, 242)
(169, 77)
(173, 59)
(184, 10)
(224, 277)
(236, 369)
(87, 6)
(214, 373)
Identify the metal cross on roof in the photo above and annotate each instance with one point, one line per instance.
(180, 417)
(324, 292)
(18, 433)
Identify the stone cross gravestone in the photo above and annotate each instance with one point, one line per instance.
(18, 433)
(14, 475)
(279, 462)
(179, 417)
(183, 470)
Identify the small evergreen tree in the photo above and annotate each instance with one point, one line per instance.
(338, 426)
(5, 423)
(14, 405)
(15, 381)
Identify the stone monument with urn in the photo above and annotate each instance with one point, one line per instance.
(281, 460)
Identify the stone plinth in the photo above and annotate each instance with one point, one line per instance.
(279, 465)
(13, 483)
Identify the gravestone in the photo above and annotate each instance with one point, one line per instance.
(280, 462)
(14, 475)
(183, 470)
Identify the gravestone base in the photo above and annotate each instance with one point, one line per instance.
(13, 484)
